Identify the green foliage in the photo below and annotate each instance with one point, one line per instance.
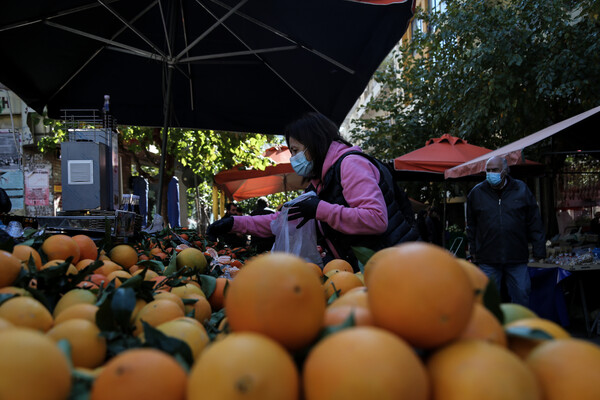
(487, 71)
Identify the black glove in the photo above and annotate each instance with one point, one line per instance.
(306, 209)
(218, 228)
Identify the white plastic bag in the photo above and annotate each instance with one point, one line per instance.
(301, 242)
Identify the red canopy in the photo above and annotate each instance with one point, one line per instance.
(438, 155)
(242, 183)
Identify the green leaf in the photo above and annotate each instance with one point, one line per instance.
(122, 305)
(527, 332)
(6, 296)
(82, 385)
(65, 348)
(154, 265)
(172, 268)
(208, 284)
(491, 301)
(363, 255)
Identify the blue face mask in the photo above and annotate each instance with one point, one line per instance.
(301, 165)
(494, 178)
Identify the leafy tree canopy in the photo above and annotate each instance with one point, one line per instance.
(489, 71)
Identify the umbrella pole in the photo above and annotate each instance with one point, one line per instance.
(165, 138)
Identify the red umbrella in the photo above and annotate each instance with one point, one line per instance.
(438, 155)
(242, 183)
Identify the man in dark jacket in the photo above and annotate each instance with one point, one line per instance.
(502, 219)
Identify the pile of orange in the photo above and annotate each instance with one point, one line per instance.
(413, 325)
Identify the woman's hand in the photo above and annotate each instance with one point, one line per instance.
(306, 209)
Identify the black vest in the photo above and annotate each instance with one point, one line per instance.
(401, 227)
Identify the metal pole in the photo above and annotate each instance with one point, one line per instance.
(165, 138)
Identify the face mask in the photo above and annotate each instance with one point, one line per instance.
(301, 165)
(494, 178)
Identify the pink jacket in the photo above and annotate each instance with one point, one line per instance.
(367, 214)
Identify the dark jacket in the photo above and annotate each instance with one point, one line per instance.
(500, 225)
(401, 224)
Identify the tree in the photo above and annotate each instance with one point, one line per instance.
(489, 71)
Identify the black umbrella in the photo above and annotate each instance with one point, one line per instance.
(236, 65)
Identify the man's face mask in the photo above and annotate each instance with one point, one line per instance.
(301, 165)
(494, 178)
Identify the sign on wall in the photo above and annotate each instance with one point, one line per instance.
(37, 187)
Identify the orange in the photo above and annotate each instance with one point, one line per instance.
(478, 278)
(192, 258)
(513, 312)
(32, 366)
(340, 283)
(155, 313)
(93, 281)
(357, 297)
(342, 265)
(139, 304)
(108, 267)
(83, 263)
(244, 366)
(217, 298)
(483, 325)
(420, 292)
(386, 254)
(475, 370)
(118, 276)
(149, 273)
(23, 252)
(5, 324)
(201, 307)
(337, 315)
(10, 268)
(56, 262)
(87, 247)
(364, 363)
(170, 296)
(124, 255)
(26, 312)
(318, 270)
(61, 247)
(15, 290)
(522, 346)
(81, 311)
(189, 331)
(567, 369)
(88, 348)
(276, 295)
(147, 374)
(188, 288)
(72, 297)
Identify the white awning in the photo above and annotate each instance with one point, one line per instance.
(513, 152)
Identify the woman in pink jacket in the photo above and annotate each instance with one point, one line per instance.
(357, 202)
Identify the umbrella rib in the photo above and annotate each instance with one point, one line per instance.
(61, 13)
(131, 49)
(189, 67)
(238, 53)
(99, 50)
(286, 37)
(134, 30)
(267, 65)
(211, 28)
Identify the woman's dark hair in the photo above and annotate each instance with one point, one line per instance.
(316, 132)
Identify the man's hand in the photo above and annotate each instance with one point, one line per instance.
(218, 228)
(306, 209)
